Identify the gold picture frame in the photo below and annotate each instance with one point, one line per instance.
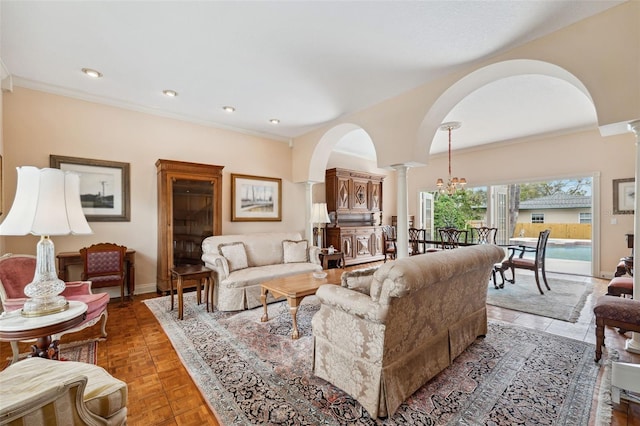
(255, 198)
(624, 196)
(104, 187)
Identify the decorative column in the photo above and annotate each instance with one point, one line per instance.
(308, 202)
(402, 227)
(633, 344)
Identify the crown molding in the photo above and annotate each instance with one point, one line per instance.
(103, 100)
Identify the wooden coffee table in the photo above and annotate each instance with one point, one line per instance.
(295, 288)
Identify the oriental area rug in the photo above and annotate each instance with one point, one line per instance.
(82, 351)
(254, 373)
(564, 301)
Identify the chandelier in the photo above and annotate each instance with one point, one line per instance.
(453, 183)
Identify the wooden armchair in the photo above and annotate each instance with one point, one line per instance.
(103, 265)
(537, 264)
(416, 239)
(484, 235)
(389, 247)
(452, 237)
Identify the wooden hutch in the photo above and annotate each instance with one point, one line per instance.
(354, 202)
(189, 210)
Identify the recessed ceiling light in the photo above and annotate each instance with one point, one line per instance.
(92, 73)
(229, 108)
(274, 121)
(170, 93)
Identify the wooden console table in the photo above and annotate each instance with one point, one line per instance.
(66, 259)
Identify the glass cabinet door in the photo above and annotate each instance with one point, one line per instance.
(192, 219)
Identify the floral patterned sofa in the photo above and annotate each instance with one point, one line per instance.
(386, 332)
(242, 262)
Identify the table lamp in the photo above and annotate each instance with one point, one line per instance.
(47, 203)
(319, 215)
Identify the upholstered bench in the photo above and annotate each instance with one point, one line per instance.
(39, 391)
(615, 312)
(620, 286)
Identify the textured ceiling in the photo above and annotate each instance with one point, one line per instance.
(303, 62)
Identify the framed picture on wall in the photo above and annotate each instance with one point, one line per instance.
(624, 195)
(255, 198)
(104, 187)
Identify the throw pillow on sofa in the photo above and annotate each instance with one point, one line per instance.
(359, 280)
(295, 251)
(235, 254)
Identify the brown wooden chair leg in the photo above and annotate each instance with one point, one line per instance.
(538, 281)
(599, 338)
(544, 277)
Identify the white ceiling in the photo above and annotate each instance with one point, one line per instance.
(303, 62)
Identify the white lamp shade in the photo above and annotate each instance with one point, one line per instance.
(47, 202)
(319, 213)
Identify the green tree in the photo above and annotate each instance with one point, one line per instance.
(455, 210)
(529, 191)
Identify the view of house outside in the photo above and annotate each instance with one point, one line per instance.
(523, 211)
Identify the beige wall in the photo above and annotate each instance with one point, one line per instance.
(599, 55)
(38, 124)
(553, 215)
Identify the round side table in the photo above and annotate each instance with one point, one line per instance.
(14, 327)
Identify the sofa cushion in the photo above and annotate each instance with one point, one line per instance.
(359, 280)
(104, 395)
(295, 251)
(235, 254)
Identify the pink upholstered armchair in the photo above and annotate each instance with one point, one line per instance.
(17, 270)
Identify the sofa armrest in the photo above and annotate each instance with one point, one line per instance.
(218, 263)
(77, 288)
(314, 254)
(351, 302)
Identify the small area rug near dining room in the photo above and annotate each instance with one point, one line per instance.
(82, 351)
(564, 301)
(254, 373)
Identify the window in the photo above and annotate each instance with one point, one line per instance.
(537, 217)
(585, 217)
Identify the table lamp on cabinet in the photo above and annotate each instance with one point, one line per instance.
(47, 203)
(320, 216)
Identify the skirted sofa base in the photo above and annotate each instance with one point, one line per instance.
(383, 334)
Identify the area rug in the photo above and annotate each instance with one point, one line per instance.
(564, 301)
(254, 373)
(82, 351)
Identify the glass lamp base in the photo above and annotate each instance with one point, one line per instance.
(41, 306)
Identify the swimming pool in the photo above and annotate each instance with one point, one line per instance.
(561, 249)
(577, 252)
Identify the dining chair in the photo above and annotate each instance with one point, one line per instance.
(18, 270)
(389, 247)
(103, 265)
(537, 264)
(452, 237)
(416, 239)
(484, 235)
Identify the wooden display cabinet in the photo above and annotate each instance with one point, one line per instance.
(189, 210)
(354, 200)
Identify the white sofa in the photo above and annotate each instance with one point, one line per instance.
(242, 262)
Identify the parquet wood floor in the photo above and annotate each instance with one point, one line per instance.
(161, 392)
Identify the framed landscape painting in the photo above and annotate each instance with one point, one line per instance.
(255, 198)
(104, 187)
(624, 195)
